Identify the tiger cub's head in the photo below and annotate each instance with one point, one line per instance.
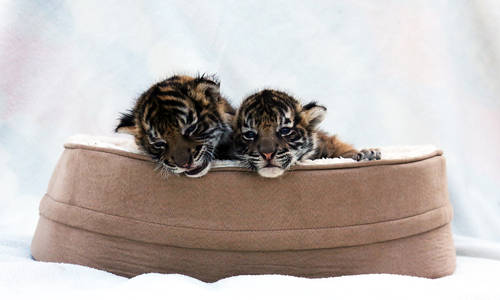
(272, 131)
(179, 122)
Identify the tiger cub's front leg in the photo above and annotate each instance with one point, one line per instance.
(332, 147)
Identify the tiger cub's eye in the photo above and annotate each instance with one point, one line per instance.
(249, 135)
(285, 131)
(160, 145)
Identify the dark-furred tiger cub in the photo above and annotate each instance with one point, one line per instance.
(182, 123)
(272, 131)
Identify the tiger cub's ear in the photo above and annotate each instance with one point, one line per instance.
(313, 114)
(127, 124)
(210, 90)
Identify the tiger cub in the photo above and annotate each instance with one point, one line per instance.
(272, 131)
(182, 123)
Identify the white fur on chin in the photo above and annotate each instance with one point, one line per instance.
(202, 173)
(271, 172)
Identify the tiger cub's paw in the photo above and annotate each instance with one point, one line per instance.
(368, 154)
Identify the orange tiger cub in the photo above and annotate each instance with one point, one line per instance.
(272, 131)
(183, 123)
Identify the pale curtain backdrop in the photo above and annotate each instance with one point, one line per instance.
(390, 73)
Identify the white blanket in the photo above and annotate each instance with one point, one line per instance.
(23, 278)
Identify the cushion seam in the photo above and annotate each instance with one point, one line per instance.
(236, 230)
(243, 251)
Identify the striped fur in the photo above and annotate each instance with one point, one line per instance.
(182, 123)
(273, 131)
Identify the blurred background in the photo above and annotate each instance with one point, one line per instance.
(390, 73)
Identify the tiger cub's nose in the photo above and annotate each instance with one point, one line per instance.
(183, 160)
(267, 148)
(268, 155)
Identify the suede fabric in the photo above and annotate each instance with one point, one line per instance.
(111, 210)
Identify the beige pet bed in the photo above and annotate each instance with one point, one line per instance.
(106, 207)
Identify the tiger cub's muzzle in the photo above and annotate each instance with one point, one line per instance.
(273, 160)
(187, 157)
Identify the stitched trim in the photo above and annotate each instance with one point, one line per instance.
(242, 230)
